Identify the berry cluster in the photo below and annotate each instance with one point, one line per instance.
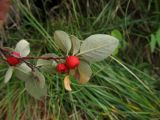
(71, 63)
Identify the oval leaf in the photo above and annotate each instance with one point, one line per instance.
(34, 89)
(116, 33)
(97, 47)
(75, 44)
(47, 65)
(23, 48)
(85, 72)
(39, 77)
(23, 72)
(62, 39)
(67, 83)
(8, 74)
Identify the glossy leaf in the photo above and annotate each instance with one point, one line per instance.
(62, 39)
(8, 74)
(34, 89)
(23, 48)
(67, 83)
(23, 72)
(75, 44)
(85, 72)
(98, 47)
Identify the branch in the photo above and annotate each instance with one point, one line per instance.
(44, 58)
(4, 53)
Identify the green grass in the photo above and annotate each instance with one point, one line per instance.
(121, 87)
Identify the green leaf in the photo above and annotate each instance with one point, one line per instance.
(47, 65)
(116, 33)
(39, 77)
(62, 39)
(34, 89)
(85, 72)
(123, 43)
(23, 48)
(75, 44)
(97, 47)
(153, 43)
(8, 74)
(158, 37)
(23, 72)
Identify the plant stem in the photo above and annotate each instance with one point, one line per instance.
(4, 52)
(45, 58)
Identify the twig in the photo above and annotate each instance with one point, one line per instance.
(4, 53)
(30, 65)
(44, 58)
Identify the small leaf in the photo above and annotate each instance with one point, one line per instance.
(97, 47)
(157, 35)
(8, 74)
(39, 77)
(116, 33)
(75, 44)
(153, 43)
(23, 72)
(34, 89)
(122, 42)
(62, 39)
(67, 83)
(47, 65)
(23, 48)
(85, 72)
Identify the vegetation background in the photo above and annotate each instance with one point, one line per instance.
(123, 87)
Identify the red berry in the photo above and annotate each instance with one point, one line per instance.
(62, 68)
(13, 60)
(72, 62)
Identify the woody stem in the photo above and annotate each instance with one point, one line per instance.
(44, 58)
(4, 52)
